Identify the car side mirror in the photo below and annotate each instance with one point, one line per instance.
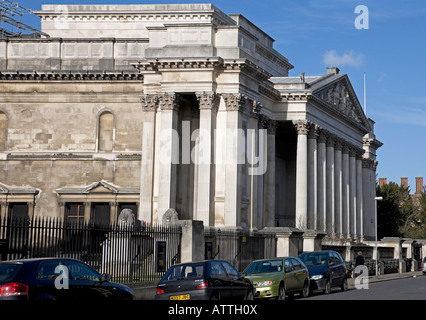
(105, 277)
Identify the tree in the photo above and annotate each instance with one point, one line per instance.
(394, 210)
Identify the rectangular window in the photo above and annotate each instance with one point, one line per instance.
(208, 250)
(75, 213)
(101, 213)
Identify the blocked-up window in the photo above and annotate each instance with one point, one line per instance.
(3, 131)
(106, 132)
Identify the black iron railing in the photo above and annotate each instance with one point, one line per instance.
(137, 253)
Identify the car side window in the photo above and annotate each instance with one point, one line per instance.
(217, 270)
(80, 271)
(296, 264)
(230, 270)
(331, 259)
(287, 266)
(338, 258)
(48, 270)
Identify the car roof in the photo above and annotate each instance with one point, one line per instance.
(30, 260)
(276, 258)
(320, 251)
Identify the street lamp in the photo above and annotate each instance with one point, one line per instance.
(375, 222)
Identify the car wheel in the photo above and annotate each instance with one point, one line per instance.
(305, 290)
(327, 289)
(345, 285)
(281, 293)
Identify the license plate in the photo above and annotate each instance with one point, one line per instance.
(180, 297)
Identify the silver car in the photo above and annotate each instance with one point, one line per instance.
(424, 266)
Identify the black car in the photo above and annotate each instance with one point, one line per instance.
(326, 270)
(205, 280)
(57, 279)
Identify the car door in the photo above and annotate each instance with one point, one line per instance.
(290, 276)
(340, 268)
(333, 269)
(51, 282)
(299, 273)
(86, 283)
(238, 285)
(219, 279)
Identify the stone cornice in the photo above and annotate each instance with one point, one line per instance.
(72, 156)
(170, 64)
(69, 76)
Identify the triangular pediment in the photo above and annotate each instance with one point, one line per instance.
(340, 96)
(101, 187)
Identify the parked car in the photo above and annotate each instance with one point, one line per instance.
(57, 279)
(205, 280)
(424, 266)
(326, 270)
(277, 277)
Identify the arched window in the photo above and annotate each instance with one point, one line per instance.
(3, 131)
(106, 133)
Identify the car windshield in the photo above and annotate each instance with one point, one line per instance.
(264, 266)
(8, 271)
(184, 272)
(314, 259)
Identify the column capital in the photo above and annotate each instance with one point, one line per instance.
(208, 100)
(302, 126)
(322, 136)
(314, 131)
(168, 100)
(331, 139)
(235, 101)
(367, 163)
(149, 101)
(272, 126)
(346, 147)
(255, 109)
(338, 144)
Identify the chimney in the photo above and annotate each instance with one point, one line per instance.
(382, 181)
(333, 70)
(404, 182)
(419, 185)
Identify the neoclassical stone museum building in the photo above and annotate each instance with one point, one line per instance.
(151, 107)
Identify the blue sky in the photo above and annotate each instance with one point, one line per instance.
(316, 34)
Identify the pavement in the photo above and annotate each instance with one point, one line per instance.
(147, 291)
(387, 277)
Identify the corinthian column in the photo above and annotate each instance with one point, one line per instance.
(359, 194)
(330, 184)
(269, 177)
(168, 153)
(338, 187)
(208, 103)
(321, 172)
(236, 104)
(312, 176)
(302, 128)
(149, 106)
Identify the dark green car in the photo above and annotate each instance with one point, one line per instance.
(278, 277)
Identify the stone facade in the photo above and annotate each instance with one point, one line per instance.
(115, 107)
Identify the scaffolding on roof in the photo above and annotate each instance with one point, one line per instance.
(11, 24)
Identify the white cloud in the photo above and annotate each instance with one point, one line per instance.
(350, 58)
